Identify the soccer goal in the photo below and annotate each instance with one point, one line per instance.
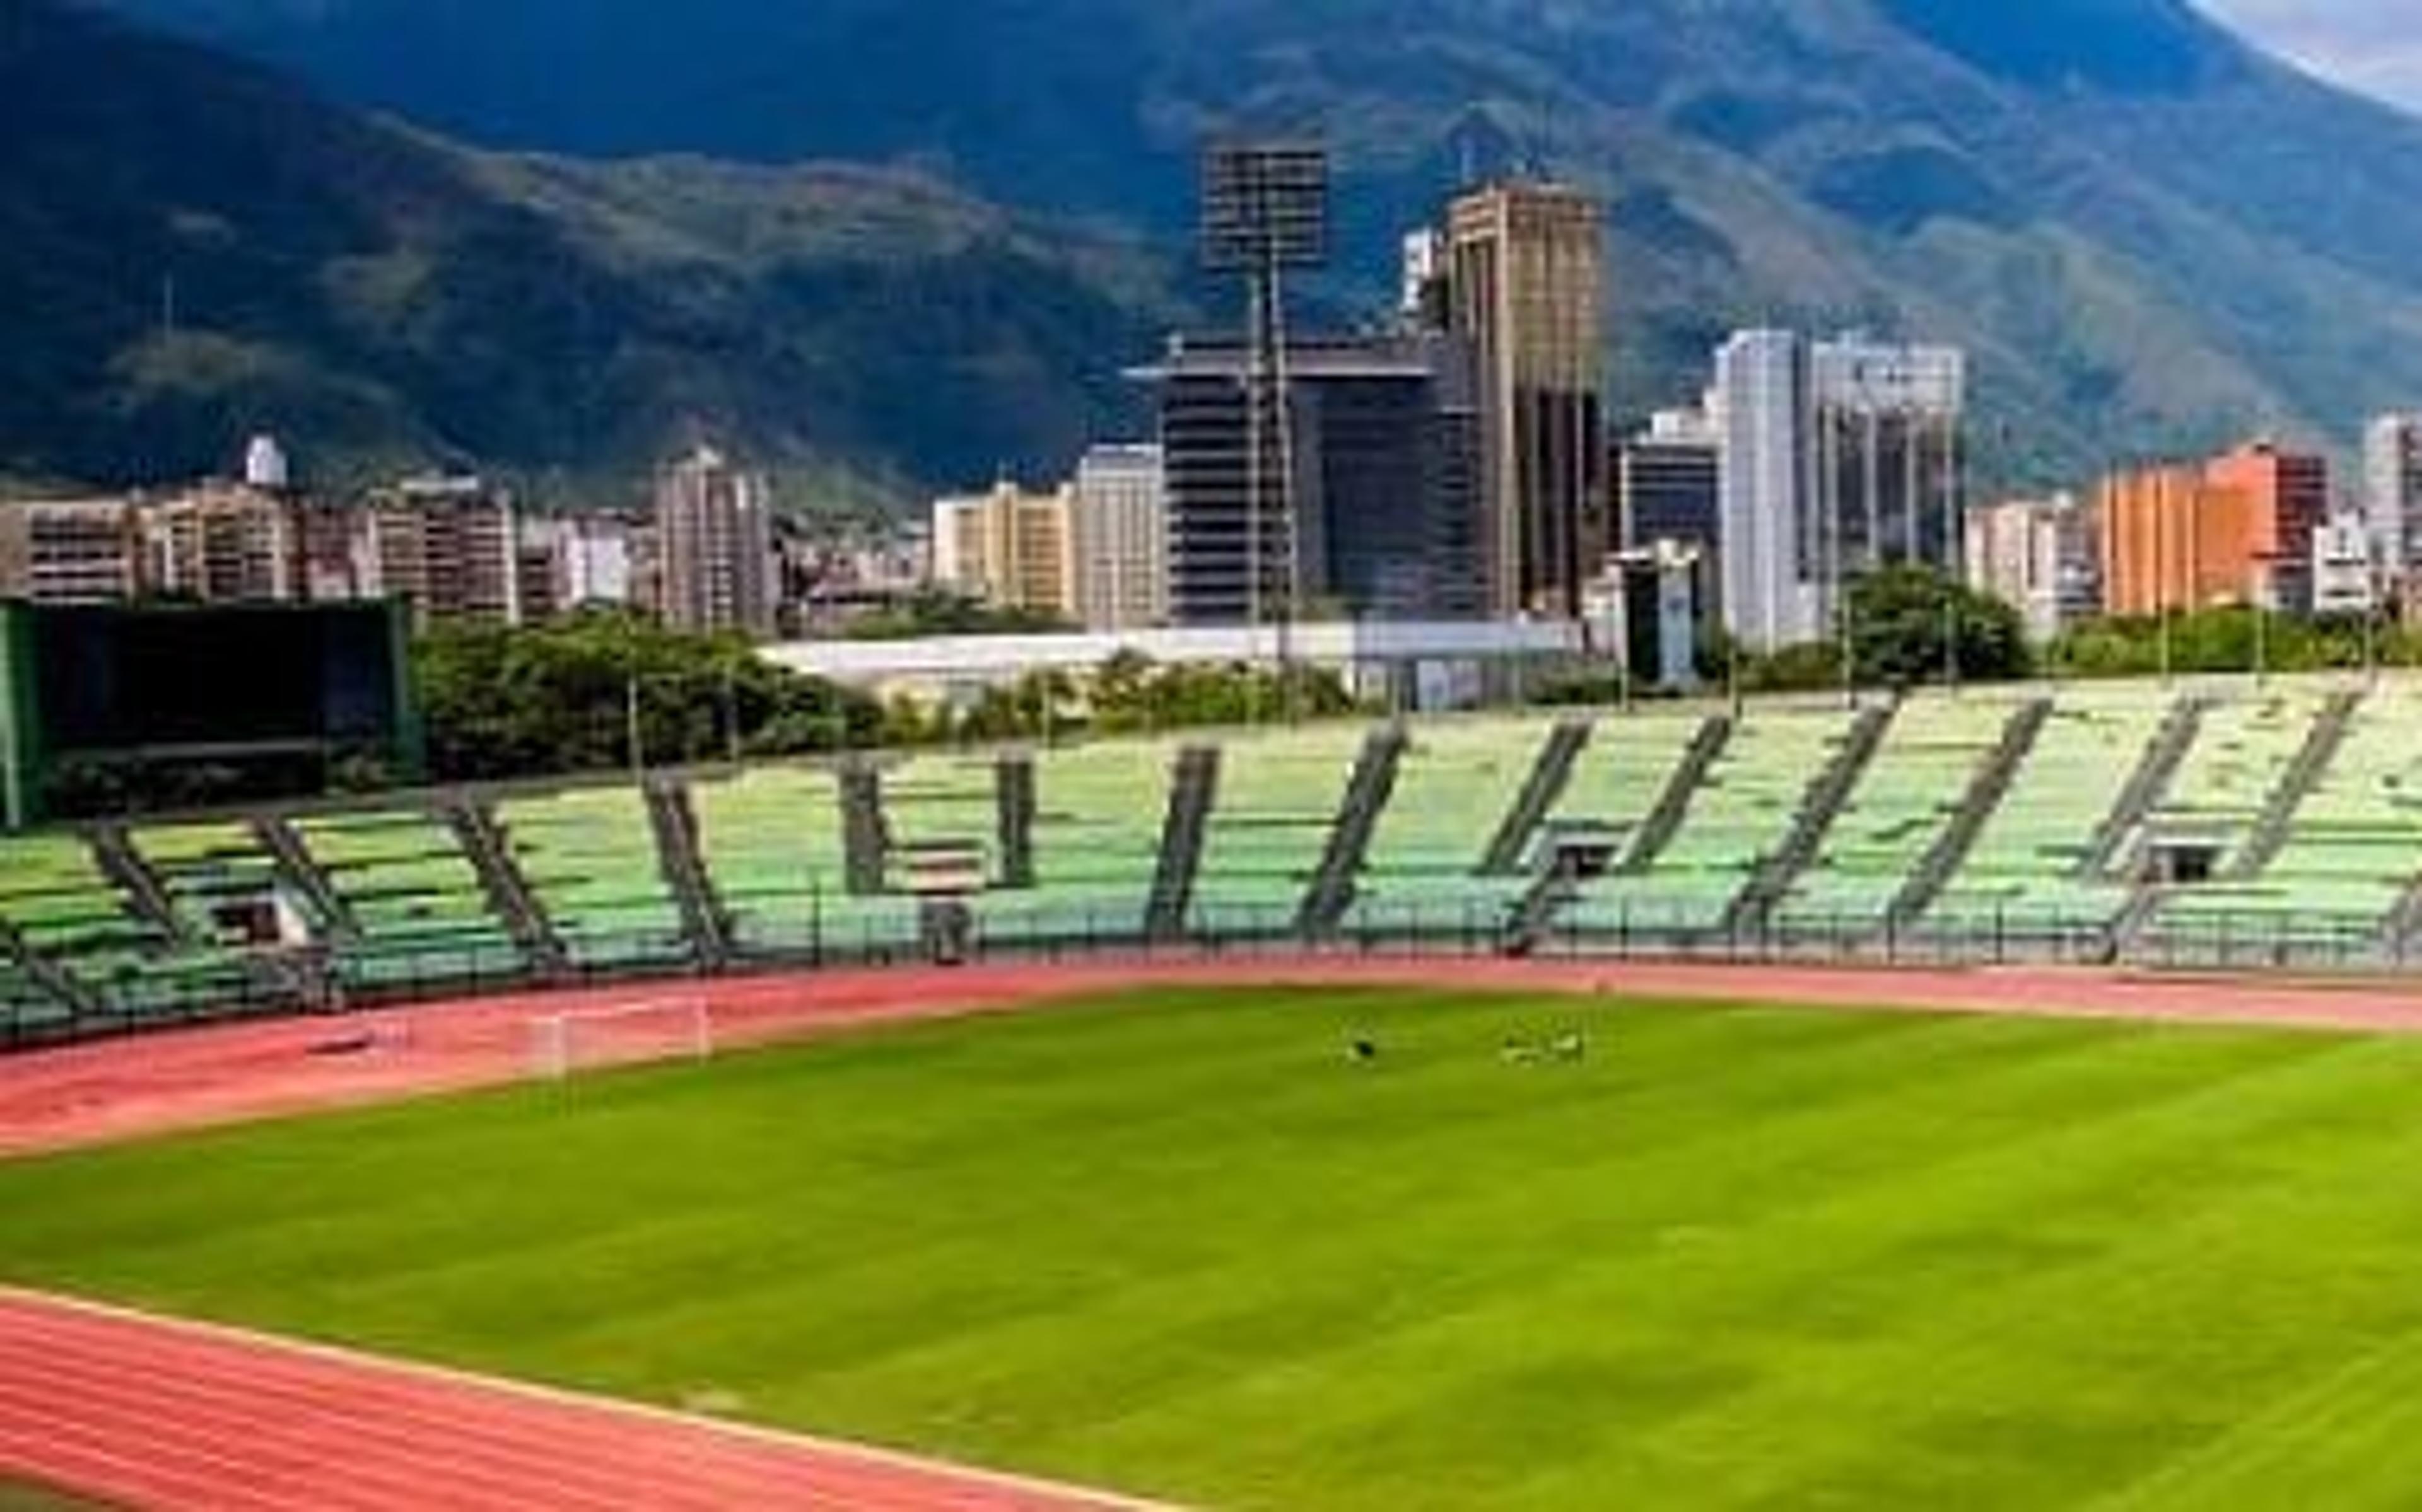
(627, 1033)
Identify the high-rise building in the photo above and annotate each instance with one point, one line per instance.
(1385, 445)
(69, 552)
(571, 562)
(1525, 274)
(1768, 562)
(1666, 484)
(1890, 476)
(2287, 498)
(448, 548)
(1835, 457)
(2235, 530)
(2041, 556)
(225, 544)
(1011, 549)
(2391, 499)
(1122, 538)
(714, 547)
(2157, 554)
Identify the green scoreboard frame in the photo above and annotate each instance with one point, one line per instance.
(32, 750)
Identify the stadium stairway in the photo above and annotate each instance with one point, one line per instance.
(66, 994)
(2258, 754)
(509, 896)
(1549, 894)
(1280, 794)
(770, 837)
(302, 873)
(1734, 816)
(213, 875)
(1090, 818)
(1193, 791)
(2145, 788)
(1541, 791)
(2401, 933)
(866, 845)
(1832, 788)
(1422, 865)
(1636, 773)
(589, 860)
(414, 901)
(1772, 883)
(1674, 805)
(1950, 849)
(113, 847)
(703, 917)
(2313, 762)
(1367, 793)
(1014, 801)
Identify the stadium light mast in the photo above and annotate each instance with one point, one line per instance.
(2263, 578)
(1266, 212)
(1953, 564)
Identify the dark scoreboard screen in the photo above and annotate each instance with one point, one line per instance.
(110, 680)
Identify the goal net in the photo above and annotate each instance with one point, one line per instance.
(627, 1033)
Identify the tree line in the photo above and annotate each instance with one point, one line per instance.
(571, 696)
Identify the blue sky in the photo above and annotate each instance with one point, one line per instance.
(2374, 45)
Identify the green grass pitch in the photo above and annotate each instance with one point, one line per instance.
(1740, 1258)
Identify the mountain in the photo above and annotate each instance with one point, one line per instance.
(2148, 233)
(192, 248)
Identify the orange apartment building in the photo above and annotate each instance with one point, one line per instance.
(2235, 530)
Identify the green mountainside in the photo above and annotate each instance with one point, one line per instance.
(192, 249)
(2149, 235)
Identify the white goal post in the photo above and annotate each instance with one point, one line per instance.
(625, 1034)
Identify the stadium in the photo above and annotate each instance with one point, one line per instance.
(1999, 1098)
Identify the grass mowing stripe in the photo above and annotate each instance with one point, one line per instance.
(1743, 1256)
(1804, 1283)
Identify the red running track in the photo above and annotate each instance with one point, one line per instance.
(150, 1414)
(155, 1414)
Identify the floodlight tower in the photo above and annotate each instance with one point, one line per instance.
(1266, 211)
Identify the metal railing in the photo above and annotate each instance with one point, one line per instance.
(327, 979)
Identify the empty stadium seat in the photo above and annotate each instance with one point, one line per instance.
(940, 804)
(2352, 849)
(771, 839)
(414, 898)
(1277, 799)
(588, 856)
(53, 890)
(1099, 809)
(1918, 783)
(215, 872)
(2025, 876)
(1455, 782)
(1743, 813)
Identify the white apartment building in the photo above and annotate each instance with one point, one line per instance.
(1834, 458)
(2038, 555)
(2392, 500)
(1122, 526)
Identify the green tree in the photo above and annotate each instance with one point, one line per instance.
(1901, 616)
(507, 702)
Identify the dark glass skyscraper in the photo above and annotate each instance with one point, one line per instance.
(1385, 441)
